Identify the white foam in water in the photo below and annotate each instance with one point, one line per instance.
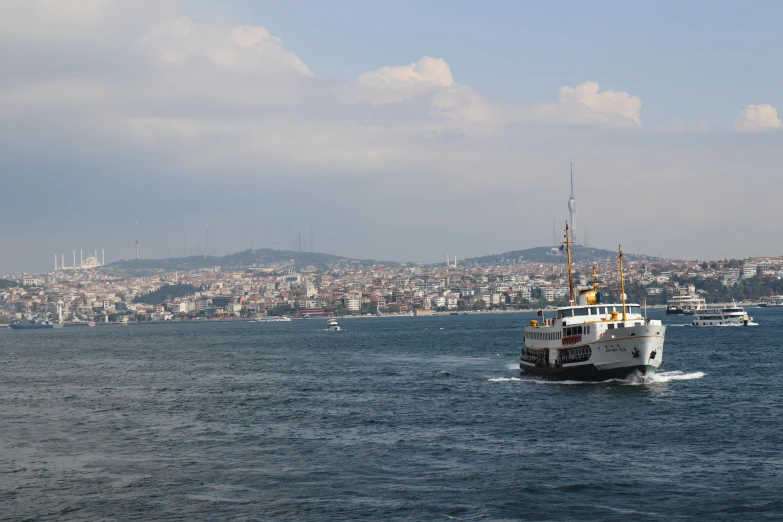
(632, 380)
(673, 376)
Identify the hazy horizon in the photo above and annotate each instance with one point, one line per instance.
(398, 132)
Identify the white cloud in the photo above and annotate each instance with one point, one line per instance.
(758, 118)
(243, 49)
(455, 108)
(134, 88)
(399, 83)
(584, 104)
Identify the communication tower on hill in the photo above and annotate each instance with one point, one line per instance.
(572, 207)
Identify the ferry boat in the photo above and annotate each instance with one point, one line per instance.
(685, 304)
(35, 323)
(121, 321)
(332, 325)
(591, 340)
(727, 316)
(771, 301)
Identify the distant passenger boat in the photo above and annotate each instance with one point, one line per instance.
(685, 304)
(771, 301)
(272, 319)
(727, 316)
(35, 323)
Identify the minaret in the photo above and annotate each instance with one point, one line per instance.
(572, 207)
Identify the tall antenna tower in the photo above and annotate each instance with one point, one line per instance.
(572, 207)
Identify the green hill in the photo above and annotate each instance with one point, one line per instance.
(7, 283)
(551, 255)
(245, 259)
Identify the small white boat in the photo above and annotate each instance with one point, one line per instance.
(332, 325)
(727, 316)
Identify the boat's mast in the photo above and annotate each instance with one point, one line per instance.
(570, 271)
(622, 280)
(595, 282)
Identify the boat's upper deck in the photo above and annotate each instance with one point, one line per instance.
(597, 312)
(587, 323)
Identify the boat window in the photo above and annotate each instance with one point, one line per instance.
(633, 309)
(580, 311)
(611, 326)
(559, 314)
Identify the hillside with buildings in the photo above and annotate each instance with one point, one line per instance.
(347, 287)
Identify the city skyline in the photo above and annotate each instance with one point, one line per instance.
(396, 137)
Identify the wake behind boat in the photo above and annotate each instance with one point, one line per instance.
(591, 340)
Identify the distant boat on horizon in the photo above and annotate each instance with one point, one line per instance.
(732, 315)
(34, 323)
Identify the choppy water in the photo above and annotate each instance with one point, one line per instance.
(404, 418)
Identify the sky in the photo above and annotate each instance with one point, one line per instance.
(400, 131)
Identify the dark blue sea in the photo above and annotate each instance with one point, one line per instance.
(390, 419)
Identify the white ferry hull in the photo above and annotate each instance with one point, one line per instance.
(733, 321)
(618, 353)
